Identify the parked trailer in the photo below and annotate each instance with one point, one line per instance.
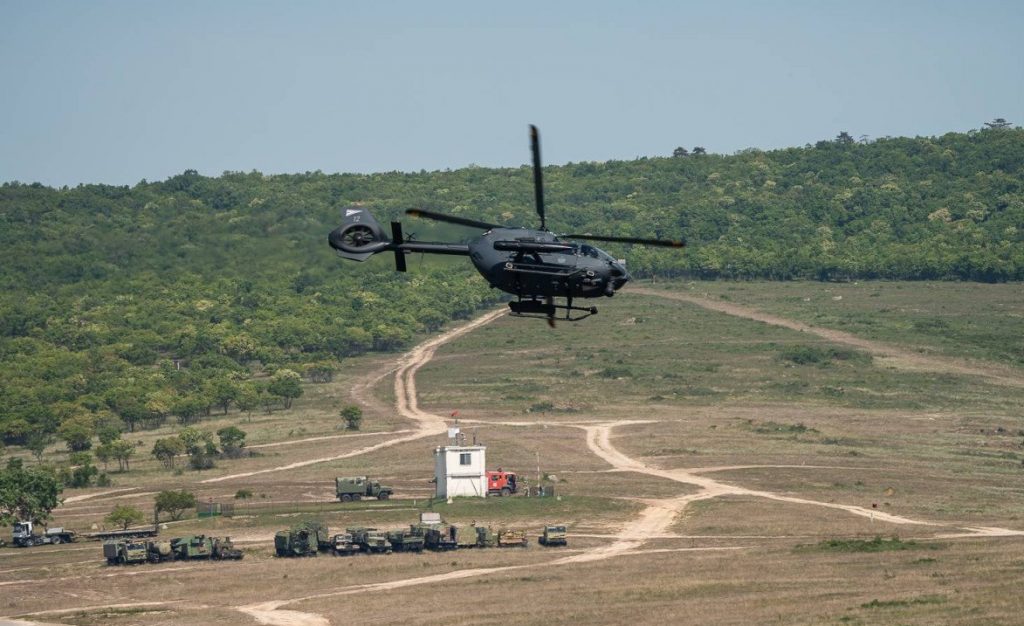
(140, 532)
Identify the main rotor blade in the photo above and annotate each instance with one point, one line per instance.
(661, 243)
(451, 219)
(538, 183)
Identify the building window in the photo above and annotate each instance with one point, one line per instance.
(464, 458)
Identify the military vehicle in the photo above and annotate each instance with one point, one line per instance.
(126, 552)
(204, 547)
(553, 536)
(435, 536)
(358, 487)
(512, 539)
(405, 541)
(342, 545)
(23, 535)
(485, 537)
(464, 536)
(157, 551)
(296, 542)
(370, 539)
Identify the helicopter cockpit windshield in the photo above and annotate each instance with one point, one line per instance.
(594, 253)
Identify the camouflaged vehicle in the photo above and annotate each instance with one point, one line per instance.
(295, 542)
(485, 537)
(125, 552)
(553, 536)
(435, 536)
(405, 541)
(512, 538)
(370, 539)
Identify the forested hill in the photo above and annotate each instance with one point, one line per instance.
(102, 285)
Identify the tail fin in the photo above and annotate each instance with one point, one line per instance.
(359, 237)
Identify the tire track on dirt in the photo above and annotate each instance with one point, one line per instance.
(899, 357)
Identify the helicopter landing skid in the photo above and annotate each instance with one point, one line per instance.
(547, 310)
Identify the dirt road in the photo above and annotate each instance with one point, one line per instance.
(892, 355)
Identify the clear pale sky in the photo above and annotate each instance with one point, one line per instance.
(119, 91)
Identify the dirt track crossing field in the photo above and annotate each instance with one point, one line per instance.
(639, 538)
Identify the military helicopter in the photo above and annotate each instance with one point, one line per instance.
(534, 265)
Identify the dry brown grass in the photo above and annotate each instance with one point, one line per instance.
(718, 404)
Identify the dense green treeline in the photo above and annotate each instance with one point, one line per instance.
(133, 305)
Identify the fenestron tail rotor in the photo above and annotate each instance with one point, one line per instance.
(538, 182)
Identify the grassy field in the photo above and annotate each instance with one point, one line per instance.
(764, 475)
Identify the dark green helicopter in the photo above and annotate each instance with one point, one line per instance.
(536, 266)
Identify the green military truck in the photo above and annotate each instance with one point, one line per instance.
(204, 547)
(553, 536)
(435, 536)
(295, 542)
(343, 545)
(348, 489)
(405, 541)
(304, 539)
(485, 537)
(126, 552)
(370, 539)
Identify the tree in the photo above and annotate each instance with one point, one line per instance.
(166, 449)
(353, 416)
(122, 450)
(37, 442)
(232, 440)
(124, 515)
(104, 452)
(998, 124)
(77, 432)
(81, 472)
(287, 385)
(174, 502)
(27, 494)
(223, 392)
(194, 439)
(680, 152)
(698, 151)
(248, 398)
